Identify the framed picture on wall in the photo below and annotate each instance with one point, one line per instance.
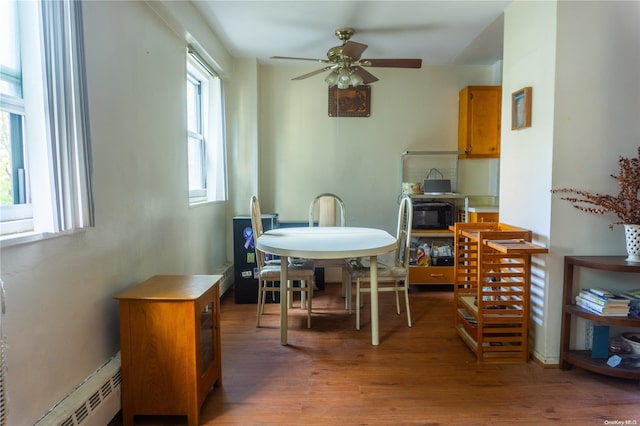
(350, 102)
(521, 108)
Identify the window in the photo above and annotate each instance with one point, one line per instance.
(196, 148)
(45, 155)
(205, 132)
(16, 209)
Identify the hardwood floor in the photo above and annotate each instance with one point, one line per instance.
(424, 375)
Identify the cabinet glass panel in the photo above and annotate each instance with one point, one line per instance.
(206, 337)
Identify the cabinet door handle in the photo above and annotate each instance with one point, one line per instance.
(437, 275)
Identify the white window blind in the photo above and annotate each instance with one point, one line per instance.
(67, 115)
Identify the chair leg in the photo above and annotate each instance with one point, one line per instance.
(305, 293)
(264, 296)
(266, 291)
(395, 286)
(346, 289)
(406, 298)
(258, 305)
(309, 290)
(358, 304)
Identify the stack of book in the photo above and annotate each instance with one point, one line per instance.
(603, 302)
(634, 302)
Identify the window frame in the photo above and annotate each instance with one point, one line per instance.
(17, 217)
(196, 78)
(56, 134)
(213, 148)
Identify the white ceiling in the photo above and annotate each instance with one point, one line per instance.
(438, 32)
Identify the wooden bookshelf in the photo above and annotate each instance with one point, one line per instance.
(581, 358)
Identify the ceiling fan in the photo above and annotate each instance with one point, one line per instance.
(347, 69)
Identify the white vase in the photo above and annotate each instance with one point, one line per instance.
(632, 234)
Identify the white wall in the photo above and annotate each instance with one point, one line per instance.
(597, 113)
(61, 321)
(582, 60)
(304, 152)
(242, 137)
(526, 154)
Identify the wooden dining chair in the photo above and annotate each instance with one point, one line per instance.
(328, 209)
(269, 272)
(393, 278)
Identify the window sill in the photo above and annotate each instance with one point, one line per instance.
(33, 237)
(204, 203)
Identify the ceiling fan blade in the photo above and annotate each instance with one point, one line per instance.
(392, 63)
(367, 77)
(353, 50)
(311, 74)
(323, 61)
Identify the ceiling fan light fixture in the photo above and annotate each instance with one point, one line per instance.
(332, 78)
(356, 79)
(344, 78)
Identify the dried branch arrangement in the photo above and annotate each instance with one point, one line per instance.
(626, 205)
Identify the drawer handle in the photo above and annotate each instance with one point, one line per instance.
(437, 275)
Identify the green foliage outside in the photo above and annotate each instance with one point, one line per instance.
(6, 190)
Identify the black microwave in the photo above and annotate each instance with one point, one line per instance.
(432, 215)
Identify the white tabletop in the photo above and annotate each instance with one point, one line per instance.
(326, 242)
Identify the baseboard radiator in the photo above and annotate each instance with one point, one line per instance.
(227, 273)
(96, 401)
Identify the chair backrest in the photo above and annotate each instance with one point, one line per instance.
(329, 207)
(256, 225)
(405, 219)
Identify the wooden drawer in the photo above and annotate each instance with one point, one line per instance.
(431, 275)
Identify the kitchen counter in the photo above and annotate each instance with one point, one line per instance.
(483, 214)
(483, 209)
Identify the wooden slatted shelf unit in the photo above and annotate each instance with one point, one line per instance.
(492, 279)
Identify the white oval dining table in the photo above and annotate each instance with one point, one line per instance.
(328, 242)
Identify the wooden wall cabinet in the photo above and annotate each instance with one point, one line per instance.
(480, 110)
(170, 345)
(570, 311)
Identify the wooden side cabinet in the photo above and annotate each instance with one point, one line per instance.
(169, 345)
(479, 121)
(581, 358)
